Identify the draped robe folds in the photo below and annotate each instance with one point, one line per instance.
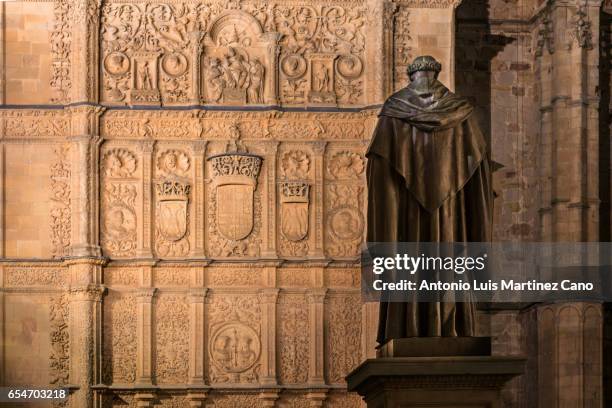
(428, 180)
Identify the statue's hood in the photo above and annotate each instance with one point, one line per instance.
(441, 110)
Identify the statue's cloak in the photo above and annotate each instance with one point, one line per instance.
(428, 181)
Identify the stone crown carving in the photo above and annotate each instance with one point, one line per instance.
(295, 190)
(172, 190)
(245, 166)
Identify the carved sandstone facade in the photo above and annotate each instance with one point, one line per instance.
(183, 187)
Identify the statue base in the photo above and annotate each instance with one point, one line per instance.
(436, 347)
(419, 382)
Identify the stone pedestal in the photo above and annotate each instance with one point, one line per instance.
(419, 382)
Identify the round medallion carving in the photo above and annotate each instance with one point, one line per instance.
(349, 66)
(117, 63)
(293, 66)
(120, 222)
(235, 347)
(174, 64)
(346, 223)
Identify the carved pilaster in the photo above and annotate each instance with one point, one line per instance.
(195, 51)
(144, 354)
(145, 233)
(317, 250)
(388, 31)
(269, 210)
(199, 198)
(84, 180)
(85, 26)
(268, 299)
(271, 89)
(2, 175)
(566, 52)
(2, 45)
(84, 328)
(197, 300)
(369, 328)
(2, 320)
(316, 310)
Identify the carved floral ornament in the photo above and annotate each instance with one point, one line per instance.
(157, 53)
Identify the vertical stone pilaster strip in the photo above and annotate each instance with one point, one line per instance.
(85, 297)
(369, 325)
(2, 329)
(2, 59)
(146, 234)
(376, 51)
(318, 251)
(2, 207)
(269, 209)
(84, 50)
(316, 318)
(84, 125)
(197, 348)
(198, 198)
(268, 298)
(144, 353)
(271, 78)
(388, 30)
(195, 50)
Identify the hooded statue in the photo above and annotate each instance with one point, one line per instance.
(429, 180)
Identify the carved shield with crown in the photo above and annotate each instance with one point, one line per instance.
(235, 179)
(173, 197)
(294, 210)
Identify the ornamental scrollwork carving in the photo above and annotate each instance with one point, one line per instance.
(61, 39)
(344, 346)
(119, 365)
(172, 346)
(178, 53)
(59, 358)
(293, 330)
(60, 198)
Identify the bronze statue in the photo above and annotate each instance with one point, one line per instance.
(428, 181)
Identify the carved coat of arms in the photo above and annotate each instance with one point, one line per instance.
(294, 210)
(235, 180)
(172, 209)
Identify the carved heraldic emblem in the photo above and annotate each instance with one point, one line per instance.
(235, 179)
(173, 197)
(294, 210)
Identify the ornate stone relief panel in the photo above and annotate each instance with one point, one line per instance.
(173, 181)
(296, 170)
(293, 341)
(345, 222)
(119, 365)
(344, 335)
(248, 53)
(171, 353)
(234, 200)
(119, 213)
(234, 344)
